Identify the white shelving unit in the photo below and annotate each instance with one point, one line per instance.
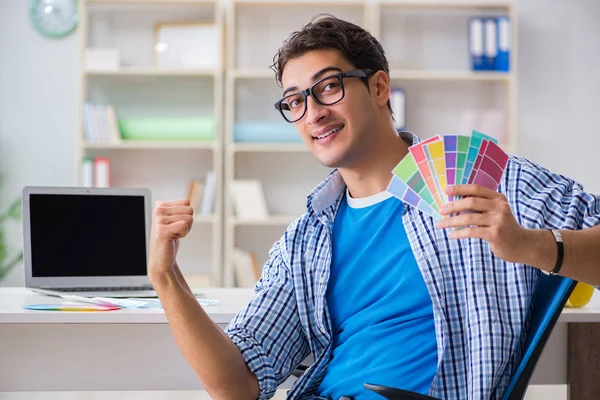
(139, 88)
(426, 43)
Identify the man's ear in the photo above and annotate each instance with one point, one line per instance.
(381, 87)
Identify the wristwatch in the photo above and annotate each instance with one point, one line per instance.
(561, 253)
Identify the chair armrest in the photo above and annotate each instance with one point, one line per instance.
(396, 394)
(300, 369)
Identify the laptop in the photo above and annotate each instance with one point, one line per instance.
(87, 241)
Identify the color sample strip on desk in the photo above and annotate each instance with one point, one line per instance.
(408, 172)
(403, 192)
(419, 155)
(69, 307)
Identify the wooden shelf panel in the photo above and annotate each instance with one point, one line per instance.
(153, 71)
(205, 219)
(268, 148)
(157, 145)
(301, 2)
(274, 220)
(416, 75)
(252, 73)
(441, 4)
(153, 2)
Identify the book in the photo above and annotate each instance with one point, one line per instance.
(209, 192)
(194, 194)
(248, 199)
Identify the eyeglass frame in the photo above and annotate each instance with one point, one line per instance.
(355, 73)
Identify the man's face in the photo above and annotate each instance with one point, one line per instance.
(337, 134)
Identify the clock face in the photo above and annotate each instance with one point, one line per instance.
(54, 18)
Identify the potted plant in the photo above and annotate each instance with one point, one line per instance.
(6, 262)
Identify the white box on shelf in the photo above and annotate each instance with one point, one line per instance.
(102, 59)
(186, 45)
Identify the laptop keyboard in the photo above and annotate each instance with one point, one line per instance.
(104, 289)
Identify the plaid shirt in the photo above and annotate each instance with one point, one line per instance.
(480, 303)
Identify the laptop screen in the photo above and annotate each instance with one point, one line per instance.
(87, 235)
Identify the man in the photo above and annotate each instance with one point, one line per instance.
(373, 289)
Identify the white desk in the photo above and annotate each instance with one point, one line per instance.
(134, 349)
(131, 349)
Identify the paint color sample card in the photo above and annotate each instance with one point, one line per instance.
(462, 149)
(490, 166)
(434, 152)
(422, 176)
(403, 192)
(418, 154)
(408, 172)
(474, 146)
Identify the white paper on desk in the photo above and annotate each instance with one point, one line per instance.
(155, 303)
(105, 301)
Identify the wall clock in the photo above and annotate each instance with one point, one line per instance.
(54, 18)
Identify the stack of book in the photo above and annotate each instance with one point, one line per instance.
(100, 124)
(201, 194)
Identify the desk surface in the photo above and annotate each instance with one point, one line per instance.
(231, 301)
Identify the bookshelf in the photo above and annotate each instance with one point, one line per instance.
(426, 43)
(139, 88)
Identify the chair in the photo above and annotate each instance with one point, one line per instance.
(550, 297)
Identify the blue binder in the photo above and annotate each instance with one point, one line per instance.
(504, 44)
(491, 44)
(476, 43)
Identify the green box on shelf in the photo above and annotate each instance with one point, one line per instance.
(153, 128)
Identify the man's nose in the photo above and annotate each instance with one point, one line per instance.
(315, 112)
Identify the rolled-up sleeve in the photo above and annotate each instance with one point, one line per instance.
(553, 201)
(268, 331)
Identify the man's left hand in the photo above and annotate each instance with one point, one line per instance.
(491, 219)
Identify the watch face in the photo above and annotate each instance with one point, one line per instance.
(54, 18)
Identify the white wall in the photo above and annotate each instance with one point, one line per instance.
(559, 94)
(38, 102)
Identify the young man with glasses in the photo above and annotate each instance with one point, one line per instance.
(374, 290)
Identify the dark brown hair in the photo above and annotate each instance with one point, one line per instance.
(326, 32)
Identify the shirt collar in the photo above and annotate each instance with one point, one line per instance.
(329, 191)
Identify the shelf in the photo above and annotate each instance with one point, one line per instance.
(158, 145)
(301, 2)
(274, 220)
(153, 71)
(437, 4)
(406, 74)
(151, 2)
(415, 75)
(252, 73)
(204, 219)
(268, 148)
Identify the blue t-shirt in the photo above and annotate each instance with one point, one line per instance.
(381, 311)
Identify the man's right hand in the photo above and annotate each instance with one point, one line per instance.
(171, 221)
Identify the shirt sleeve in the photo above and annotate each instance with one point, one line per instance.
(268, 331)
(552, 201)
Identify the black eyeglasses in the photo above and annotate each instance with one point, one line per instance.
(327, 91)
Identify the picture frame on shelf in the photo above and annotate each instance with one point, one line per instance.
(186, 45)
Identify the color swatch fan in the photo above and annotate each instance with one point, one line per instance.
(421, 178)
